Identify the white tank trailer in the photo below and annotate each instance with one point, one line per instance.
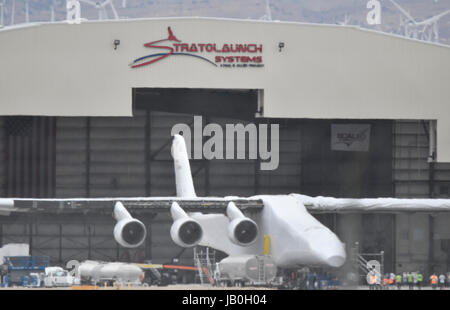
(246, 269)
(97, 272)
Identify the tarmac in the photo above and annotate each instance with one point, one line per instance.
(169, 287)
(198, 287)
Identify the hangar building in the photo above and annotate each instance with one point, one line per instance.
(87, 111)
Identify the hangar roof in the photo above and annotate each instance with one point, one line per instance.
(303, 70)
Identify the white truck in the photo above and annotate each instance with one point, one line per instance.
(58, 277)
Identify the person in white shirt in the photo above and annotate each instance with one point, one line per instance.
(442, 281)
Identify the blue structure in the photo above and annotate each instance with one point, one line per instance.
(31, 263)
(20, 267)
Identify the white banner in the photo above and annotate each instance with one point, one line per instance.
(350, 137)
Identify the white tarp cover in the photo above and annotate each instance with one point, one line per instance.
(14, 249)
(373, 204)
(6, 206)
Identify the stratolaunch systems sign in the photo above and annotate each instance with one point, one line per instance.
(228, 55)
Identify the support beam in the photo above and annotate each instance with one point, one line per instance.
(88, 156)
(30, 237)
(431, 244)
(89, 241)
(60, 244)
(207, 163)
(257, 163)
(148, 158)
(394, 243)
(148, 243)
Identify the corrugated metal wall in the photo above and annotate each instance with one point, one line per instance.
(421, 238)
(29, 156)
(100, 157)
(411, 169)
(71, 157)
(411, 173)
(2, 157)
(286, 178)
(117, 156)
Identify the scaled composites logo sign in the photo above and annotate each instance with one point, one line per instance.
(227, 55)
(350, 137)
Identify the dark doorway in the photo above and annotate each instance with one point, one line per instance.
(233, 103)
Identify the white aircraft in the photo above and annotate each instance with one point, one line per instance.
(296, 237)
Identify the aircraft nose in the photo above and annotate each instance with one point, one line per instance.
(329, 249)
(335, 261)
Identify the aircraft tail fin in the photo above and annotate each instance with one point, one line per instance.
(183, 175)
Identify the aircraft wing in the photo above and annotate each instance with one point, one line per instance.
(134, 205)
(374, 205)
(207, 205)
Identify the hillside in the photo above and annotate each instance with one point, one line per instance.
(314, 11)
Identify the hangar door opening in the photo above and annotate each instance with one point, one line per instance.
(165, 108)
(232, 103)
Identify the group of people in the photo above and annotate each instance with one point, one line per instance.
(412, 280)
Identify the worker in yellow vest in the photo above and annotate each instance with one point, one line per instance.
(434, 281)
(398, 280)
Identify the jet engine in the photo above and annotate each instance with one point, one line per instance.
(185, 231)
(241, 230)
(128, 232)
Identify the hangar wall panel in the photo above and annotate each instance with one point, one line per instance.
(2, 158)
(71, 157)
(412, 242)
(410, 160)
(441, 242)
(287, 177)
(410, 165)
(235, 177)
(117, 156)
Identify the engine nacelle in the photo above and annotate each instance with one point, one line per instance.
(185, 231)
(128, 232)
(241, 230)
